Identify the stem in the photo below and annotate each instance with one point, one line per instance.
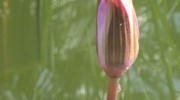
(112, 88)
(38, 26)
(4, 41)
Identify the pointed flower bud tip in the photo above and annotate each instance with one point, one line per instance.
(117, 36)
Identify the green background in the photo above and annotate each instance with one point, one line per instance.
(49, 52)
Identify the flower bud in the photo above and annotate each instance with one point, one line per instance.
(117, 36)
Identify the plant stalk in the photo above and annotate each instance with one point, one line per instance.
(4, 41)
(38, 26)
(113, 88)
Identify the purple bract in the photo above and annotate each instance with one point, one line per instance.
(117, 36)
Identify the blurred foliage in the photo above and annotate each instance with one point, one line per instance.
(49, 52)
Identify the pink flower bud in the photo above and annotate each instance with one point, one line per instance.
(117, 36)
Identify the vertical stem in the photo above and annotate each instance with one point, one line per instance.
(4, 41)
(112, 88)
(38, 26)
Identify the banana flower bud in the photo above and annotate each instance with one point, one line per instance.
(117, 36)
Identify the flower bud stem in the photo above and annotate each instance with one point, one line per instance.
(113, 85)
